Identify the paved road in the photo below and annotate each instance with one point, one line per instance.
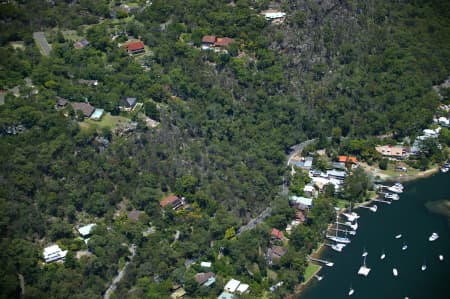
(255, 221)
(118, 278)
(39, 37)
(298, 148)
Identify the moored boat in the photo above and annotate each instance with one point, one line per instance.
(434, 236)
(395, 189)
(395, 272)
(398, 236)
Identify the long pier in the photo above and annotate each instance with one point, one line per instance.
(326, 263)
(383, 201)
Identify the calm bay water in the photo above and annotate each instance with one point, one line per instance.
(376, 232)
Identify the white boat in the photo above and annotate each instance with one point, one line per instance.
(404, 247)
(399, 185)
(424, 267)
(365, 253)
(353, 226)
(319, 278)
(441, 257)
(444, 169)
(329, 264)
(351, 216)
(395, 272)
(338, 247)
(433, 237)
(398, 236)
(373, 208)
(395, 189)
(392, 196)
(351, 291)
(338, 239)
(383, 256)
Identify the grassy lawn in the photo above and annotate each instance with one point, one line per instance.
(107, 121)
(341, 203)
(311, 270)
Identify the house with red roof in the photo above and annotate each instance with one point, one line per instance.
(135, 47)
(172, 200)
(348, 159)
(276, 234)
(211, 42)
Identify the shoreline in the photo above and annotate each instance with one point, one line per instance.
(388, 179)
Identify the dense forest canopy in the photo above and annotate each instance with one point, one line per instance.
(351, 69)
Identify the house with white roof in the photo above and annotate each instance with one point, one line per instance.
(86, 230)
(54, 253)
(300, 200)
(232, 285)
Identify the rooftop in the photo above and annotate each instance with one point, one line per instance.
(86, 230)
(232, 285)
(135, 46)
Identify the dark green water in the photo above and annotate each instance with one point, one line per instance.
(376, 232)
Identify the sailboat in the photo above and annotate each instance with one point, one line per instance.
(364, 270)
(373, 208)
(441, 257)
(383, 255)
(336, 238)
(365, 253)
(398, 236)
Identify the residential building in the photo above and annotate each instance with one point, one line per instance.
(444, 121)
(61, 103)
(54, 253)
(310, 191)
(276, 234)
(179, 293)
(300, 200)
(235, 285)
(85, 108)
(127, 104)
(86, 230)
(211, 42)
(277, 252)
(205, 279)
(390, 151)
(135, 47)
(304, 163)
(208, 42)
(206, 264)
(337, 174)
(348, 159)
(274, 16)
(225, 295)
(172, 200)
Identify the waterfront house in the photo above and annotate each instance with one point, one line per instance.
(277, 252)
(218, 44)
(86, 230)
(81, 44)
(393, 152)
